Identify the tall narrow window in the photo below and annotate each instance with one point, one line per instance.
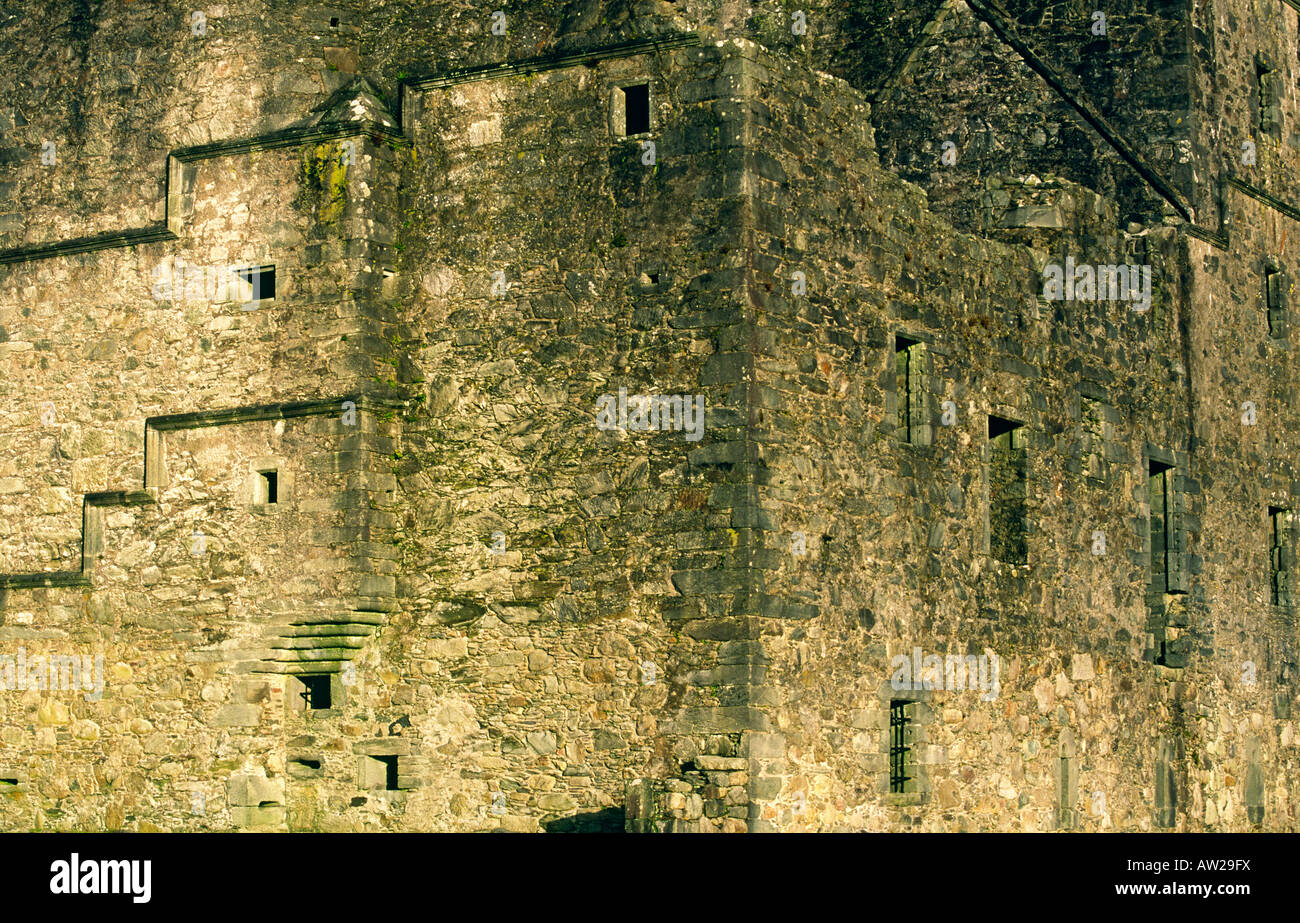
(268, 487)
(1159, 496)
(1067, 781)
(901, 775)
(909, 384)
(390, 772)
(1008, 491)
(1275, 297)
(1093, 425)
(1270, 96)
(632, 109)
(1279, 555)
(1064, 809)
(1166, 783)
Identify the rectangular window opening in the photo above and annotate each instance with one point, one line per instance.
(1064, 806)
(260, 281)
(1270, 96)
(268, 487)
(1008, 491)
(1280, 555)
(1158, 476)
(908, 387)
(1275, 298)
(381, 773)
(901, 779)
(1000, 426)
(315, 692)
(631, 108)
(635, 105)
(1093, 426)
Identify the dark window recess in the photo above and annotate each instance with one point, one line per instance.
(1166, 784)
(1008, 491)
(1064, 808)
(9, 782)
(334, 22)
(309, 764)
(1160, 495)
(1270, 97)
(315, 690)
(1280, 555)
(261, 279)
(636, 102)
(1275, 298)
(900, 749)
(1093, 426)
(909, 388)
(390, 771)
(270, 487)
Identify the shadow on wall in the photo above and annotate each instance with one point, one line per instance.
(609, 820)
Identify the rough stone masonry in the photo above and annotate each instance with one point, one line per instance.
(307, 312)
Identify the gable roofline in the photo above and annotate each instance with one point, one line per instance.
(999, 21)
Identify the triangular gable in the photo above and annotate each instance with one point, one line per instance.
(358, 101)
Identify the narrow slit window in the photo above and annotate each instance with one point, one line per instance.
(1064, 812)
(258, 283)
(1158, 494)
(268, 487)
(1280, 565)
(1067, 782)
(909, 388)
(900, 746)
(1275, 300)
(1093, 426)
(1008, 491)
(1270, 97)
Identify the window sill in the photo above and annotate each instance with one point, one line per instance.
(314, 713)
(904, 799)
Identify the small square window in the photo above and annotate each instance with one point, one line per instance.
(334, 22)
(380, 772)
(258, 283)
(314, 691)
(268, 487)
